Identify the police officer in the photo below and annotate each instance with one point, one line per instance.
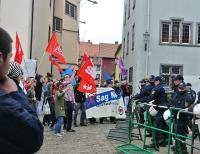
(178, 79)
(144, 95)
(181, 99)
(159, 97)
(190, 90)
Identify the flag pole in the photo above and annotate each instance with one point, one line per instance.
(40, 63)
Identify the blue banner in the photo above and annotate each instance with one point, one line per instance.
(98, 99)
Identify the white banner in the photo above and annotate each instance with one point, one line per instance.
(105, 103)
(29, 67)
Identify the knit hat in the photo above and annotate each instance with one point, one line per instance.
(15, 70)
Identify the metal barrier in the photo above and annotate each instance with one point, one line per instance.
(131, 148)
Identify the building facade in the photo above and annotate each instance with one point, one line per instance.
(161, 38)
(35, 20)
(102, 55)
(66, 26)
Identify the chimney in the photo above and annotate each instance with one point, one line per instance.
(116, 42)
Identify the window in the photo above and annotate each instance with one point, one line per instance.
(131, 74)
(134, 4)
(170, 71)
(186, 33)
(57, 24)
(175, 31)
(125, 15)
(133, 36)
(127, 48)
(129, 8)
(71, 10)
(198, 40)
(165, 32)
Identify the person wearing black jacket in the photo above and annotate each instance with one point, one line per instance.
(21, 131)
(181, 99)
(80, 100)
(159, 97)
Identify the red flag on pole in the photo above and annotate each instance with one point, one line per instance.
(55, 63)
(86, 87)
(87, 71)
(82, 63)
(54, 48)
(19, 51)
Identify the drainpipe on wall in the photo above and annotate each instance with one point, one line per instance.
(32, 19)
(52, 29)
(147, 31)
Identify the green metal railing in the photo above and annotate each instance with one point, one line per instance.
(131, 148)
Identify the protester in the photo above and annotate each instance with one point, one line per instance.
(48, 98)
(69, 101)
(126, 94)
(59, 109)
(21, 132)
(31, 94)
(80, 100)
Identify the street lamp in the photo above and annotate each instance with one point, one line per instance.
(82, 22)
(146, 36)
(94, 2)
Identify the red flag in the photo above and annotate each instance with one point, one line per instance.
(87, 71)
(55, 63)
(54, 48)
(19, 52)
(85, 87)
(82, 63)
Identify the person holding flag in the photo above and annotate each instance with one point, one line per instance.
(69, 101)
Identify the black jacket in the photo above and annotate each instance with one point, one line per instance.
(20, 132)
(79, 96)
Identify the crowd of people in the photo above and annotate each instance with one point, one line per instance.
(181, 95)
(56, 103)
(29, 104)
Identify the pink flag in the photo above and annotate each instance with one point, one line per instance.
(124, 71)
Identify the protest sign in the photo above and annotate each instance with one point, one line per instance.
(105, 103)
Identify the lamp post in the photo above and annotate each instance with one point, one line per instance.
(146, 36)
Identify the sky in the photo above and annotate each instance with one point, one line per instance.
(103, 21)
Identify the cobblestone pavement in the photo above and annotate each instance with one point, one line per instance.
(90, 139)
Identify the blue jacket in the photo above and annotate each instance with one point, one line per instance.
(20, 132)
(181, 100)
(144, 94)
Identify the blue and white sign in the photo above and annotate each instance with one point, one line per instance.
(105, 103)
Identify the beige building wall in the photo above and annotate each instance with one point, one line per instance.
(42, 30)
(69, 36)
(15, 16)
